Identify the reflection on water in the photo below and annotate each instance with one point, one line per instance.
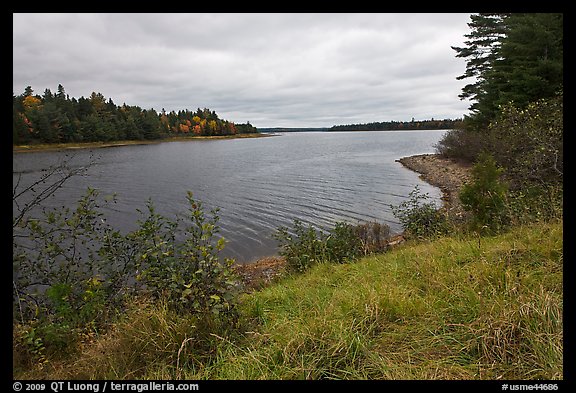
(258, 184)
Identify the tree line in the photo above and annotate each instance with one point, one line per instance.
(57, 118)
(512, 58)
(431, 124)
(516, 114)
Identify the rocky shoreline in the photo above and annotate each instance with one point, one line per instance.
(447, 174)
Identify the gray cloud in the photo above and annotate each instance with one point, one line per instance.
(270, 69)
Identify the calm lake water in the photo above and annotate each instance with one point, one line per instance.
(258, 184)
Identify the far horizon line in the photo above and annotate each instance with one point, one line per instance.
(357, 124)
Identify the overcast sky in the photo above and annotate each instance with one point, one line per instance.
(274, 70)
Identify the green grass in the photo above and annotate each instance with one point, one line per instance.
(450, 309)
(454, 308)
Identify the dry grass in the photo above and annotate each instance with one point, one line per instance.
(455, 308)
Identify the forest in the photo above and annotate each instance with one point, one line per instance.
(57, 118)
(431, 124)
(516, 66)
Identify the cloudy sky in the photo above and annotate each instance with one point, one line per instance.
(274, 70)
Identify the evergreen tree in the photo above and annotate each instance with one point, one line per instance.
(84, 108)
(517, 114)
(28, 91)
(513, 57)
(61, 94)
(530, 62)
(20, 130)
(47, 95)
(481, 51)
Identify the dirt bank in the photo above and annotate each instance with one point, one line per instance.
(262, 272)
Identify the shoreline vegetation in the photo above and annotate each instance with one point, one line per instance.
(445, 173)
(57, 118)
(95, 145)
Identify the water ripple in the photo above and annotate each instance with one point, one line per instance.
(258, 184)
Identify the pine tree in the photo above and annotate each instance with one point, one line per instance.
(530, 62)
(513, 57)
(481, 51)
(61, 94)
(28, 91)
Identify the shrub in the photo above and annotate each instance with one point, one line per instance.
(485, 196)
(529, 142)
(303, 246)
(373, 237)
(461, 143)
(343, 244)
(189, 275)
(58, 268)
(73, 272)
(420, 219)
(535, 203)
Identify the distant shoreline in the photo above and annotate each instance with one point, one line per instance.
(329, 129)
(97, 145)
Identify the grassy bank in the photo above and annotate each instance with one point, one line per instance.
(95, 145)
(455, 308)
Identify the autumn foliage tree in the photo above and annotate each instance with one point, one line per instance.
(57, 118)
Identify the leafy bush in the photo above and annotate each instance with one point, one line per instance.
(343, 244)
(58, 268)
(535, 204)
(420, 219)
(485, 196)
(189, 275)
(529, 142)
(304, 246)
(73, 272)
(461, 143)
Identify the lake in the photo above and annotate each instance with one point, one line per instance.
(258, 184)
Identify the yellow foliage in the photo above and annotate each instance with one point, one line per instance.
(31, 102)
